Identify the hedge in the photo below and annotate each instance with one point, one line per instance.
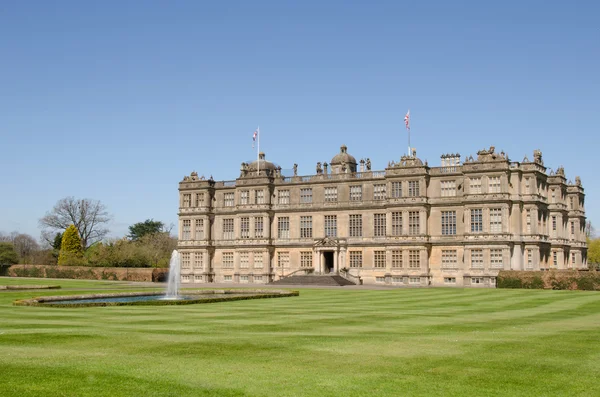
(552, 279)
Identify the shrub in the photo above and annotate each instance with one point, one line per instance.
(8, 255)
(71, 251)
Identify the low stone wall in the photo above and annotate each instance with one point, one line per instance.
(88, 273)
(552, 279)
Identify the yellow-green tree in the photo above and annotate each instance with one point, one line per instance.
(593, 254)
(71, 251)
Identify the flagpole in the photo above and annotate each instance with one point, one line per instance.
(258, 151)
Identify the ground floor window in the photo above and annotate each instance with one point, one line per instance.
(449, 280)
(228, 260)
(355, 258)
(283, 259)
(476, 280)
(396, 280)
(380, 279)
(397, 258)
(197, 278)
(379, 259)
(257, 278)
(306, 259)
(243, 279)
(414, 280)
(227, 278)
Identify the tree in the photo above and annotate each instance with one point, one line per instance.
(88, 216)
(593, 254)
(25, 245)
(590, 232)
(56, 243)
(149, 226)
(71, 250)
(8, 255)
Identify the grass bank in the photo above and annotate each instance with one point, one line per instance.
(434, 342)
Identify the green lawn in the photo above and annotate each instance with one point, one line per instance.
(426, 342)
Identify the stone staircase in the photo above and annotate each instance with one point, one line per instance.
(313, 279)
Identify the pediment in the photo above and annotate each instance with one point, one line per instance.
(326, 242)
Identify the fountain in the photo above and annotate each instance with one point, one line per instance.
(174, 277)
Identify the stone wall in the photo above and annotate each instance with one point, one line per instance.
(88, 273)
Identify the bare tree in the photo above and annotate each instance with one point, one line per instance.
(25, 245)
(89, 217)
(590, 232)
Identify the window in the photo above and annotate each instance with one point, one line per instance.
(495, 220)
(244, 197)
(257, 278)
(331, 225)
(476, 280)
(258, 227)
(448, 188)
(306, 227)
(414, 259)
(306, 195)
(555, 259)
(259, 197)
(380, 279)
(199, 232)
(477, 259)
(529, 259)
(199, 260)
(305, 259)
(379, 192)
(572, 228)
(476, 220)
(283, 197)
(355, 258)
(185, 278)
(283, 227)
(475, 186)
(331, 194)
(448, 223)
(258, 260)
(496, 261)
(414, 280)
(245, 227)
(553, 196)
(228, 278)
(355, 225)
(229, 199)
(449, 259)
(396, 258)
(449, 280)
(199, 199)
(186, 231)
(571, 203)
(228, 229)
(396, 189)
(244, 260)
(355, 193)
(396, 280)
(185, 260)
(553, 225)
(283, 259)
(413, 188)
(573, 258)
(187, 198)
(494, 184)
(243, 279)
(379, 225)
(528, 222)
(379, 259)
(197, 278)
(228, 260)
(396, 223)
(527, 186)
(414, 227)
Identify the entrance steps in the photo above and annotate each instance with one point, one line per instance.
(313, 279)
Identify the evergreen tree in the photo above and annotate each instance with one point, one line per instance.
(8, 255)
(71, 251)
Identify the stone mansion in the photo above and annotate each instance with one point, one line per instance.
(408, 225)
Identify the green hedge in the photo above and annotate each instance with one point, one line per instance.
(554, 279)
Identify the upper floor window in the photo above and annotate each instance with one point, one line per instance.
(228, 229)
(527, 186)
(258, 227)
(379, 192)
(283, 197)
(571, 203)
(229, 199)
(331, 194)
(494, 184)
(396, 189)
(259, 197)
(330, 225)
(199, 232)
(283, 227)
(414, 223)
(244, 197)
(449, 259)
(355, 225)
(448, 222)
(187, 198)
(355, 193)
(379, 225)
(475, 186)
(396, 223)
(245, 227)
(413, 189)
(306, 195)
(553, 196)
(495, 220)
(476, 220)
(186, 231)
(306, 227)
(448, 188)
(198, 199)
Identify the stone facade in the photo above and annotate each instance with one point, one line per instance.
(410, 224)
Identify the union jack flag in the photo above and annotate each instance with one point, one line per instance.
(407, 120)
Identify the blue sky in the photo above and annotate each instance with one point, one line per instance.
(118, 100)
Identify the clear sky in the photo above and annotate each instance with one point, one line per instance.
(117, 100)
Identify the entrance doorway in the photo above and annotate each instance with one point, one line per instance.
(328, 257)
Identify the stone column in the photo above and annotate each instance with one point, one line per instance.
(335, 261)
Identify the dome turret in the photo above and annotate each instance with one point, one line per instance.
(343, 162)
